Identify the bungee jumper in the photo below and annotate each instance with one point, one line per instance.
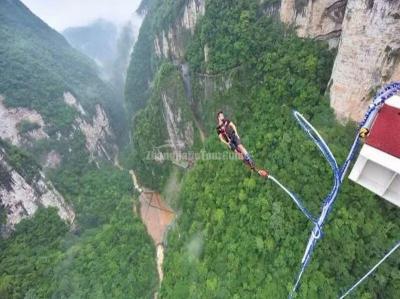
(228, 135)
(382, 116)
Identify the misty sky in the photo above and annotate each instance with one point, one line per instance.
(61, 14)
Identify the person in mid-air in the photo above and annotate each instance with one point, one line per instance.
(228, 134)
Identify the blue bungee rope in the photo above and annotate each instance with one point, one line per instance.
(371, 271)
(339, 174)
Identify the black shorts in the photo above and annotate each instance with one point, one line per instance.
(234, 142)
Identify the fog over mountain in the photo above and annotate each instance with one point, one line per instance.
(63, 14)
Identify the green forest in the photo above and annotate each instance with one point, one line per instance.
(43, 258)
(107, 252)
(150, 133)
(239, 236)
(38, 66)
(236, 234)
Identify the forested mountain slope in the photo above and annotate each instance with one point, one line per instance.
(52, 101)
(59, 129)
(238, 236)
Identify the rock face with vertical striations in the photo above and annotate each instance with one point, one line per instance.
(368, 49)
(96, 133)
(321, 19)
(368, 55)
(180, 133)
(21, 197)
(170, 43)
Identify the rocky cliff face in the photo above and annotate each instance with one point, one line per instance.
(97, 131)
(180, 133)
(170, 43)
(13, 121)
(22, 127)
(368, 55)
(321, 19)
(368, 52)
(21, 198)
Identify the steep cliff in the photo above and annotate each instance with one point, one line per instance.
(22, 199)
(164, 34)
(24, 188)
(97, 130)
(52, 104)
(320, 19)
(163, 130)
(159, 93)
(368, 55)
(171, 43)
(180, 133)
(366, 35)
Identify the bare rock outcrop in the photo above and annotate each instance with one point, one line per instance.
(71, 101)
(12, 121)
(170, 43)
(368, 49)
(368, 55)
(96, 131)
(52, 160)
(320, 19)
(180, 132)
(21, 199)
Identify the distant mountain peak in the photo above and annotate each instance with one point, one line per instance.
(97, 40)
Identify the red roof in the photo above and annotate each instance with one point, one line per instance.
(385, 132)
